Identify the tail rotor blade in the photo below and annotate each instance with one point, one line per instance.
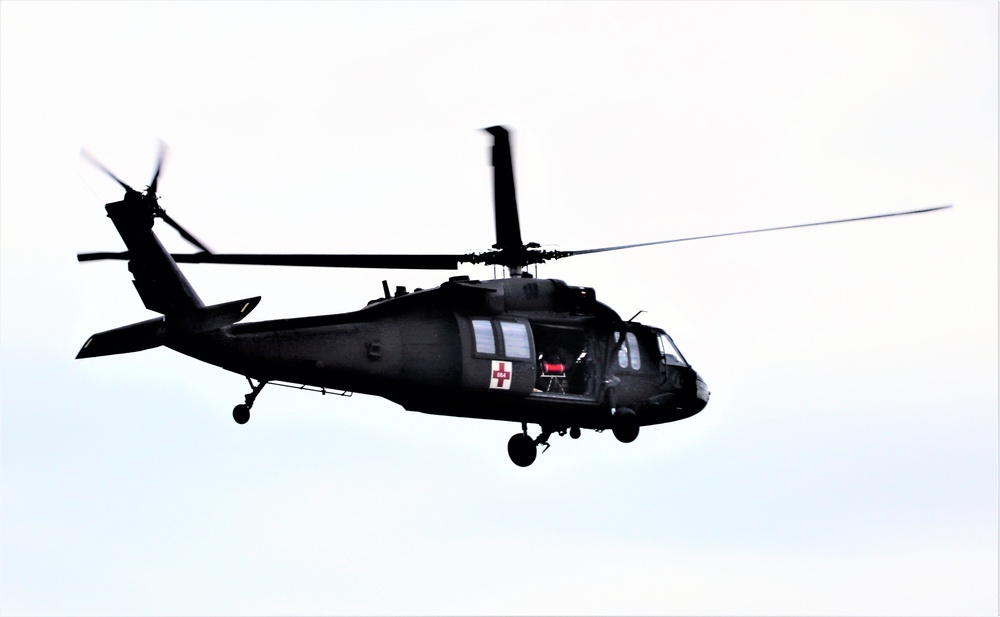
(183, 232)
(159, 165)
(93, 161)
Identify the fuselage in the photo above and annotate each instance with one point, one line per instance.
(517, 349)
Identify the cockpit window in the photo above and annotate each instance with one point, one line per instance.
(669, 352)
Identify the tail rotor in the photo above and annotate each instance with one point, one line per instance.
(149, 197)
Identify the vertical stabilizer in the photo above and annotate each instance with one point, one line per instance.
(160, 283)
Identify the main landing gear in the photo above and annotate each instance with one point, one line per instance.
(624, 424)
(523, 450)
(241, 413)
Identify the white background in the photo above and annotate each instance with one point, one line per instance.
(847, 463)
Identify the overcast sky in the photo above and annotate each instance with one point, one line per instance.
(846, 464)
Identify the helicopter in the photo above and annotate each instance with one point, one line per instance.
(517, 349)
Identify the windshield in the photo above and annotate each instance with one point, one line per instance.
(668, 351)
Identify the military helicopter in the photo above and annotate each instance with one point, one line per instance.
(518, 349)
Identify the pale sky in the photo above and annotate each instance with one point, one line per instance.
(846, 464)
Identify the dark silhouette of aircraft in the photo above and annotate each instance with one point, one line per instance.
(518, 349)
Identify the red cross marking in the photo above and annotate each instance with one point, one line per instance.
(501, 374)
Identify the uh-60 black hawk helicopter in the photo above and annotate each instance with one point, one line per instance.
(519, 349)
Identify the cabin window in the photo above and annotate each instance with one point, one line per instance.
(483, 331)
(515, 340)
(510, 340)
(628, 352)
(633, 352)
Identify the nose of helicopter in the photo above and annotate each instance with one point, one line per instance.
(701, 391)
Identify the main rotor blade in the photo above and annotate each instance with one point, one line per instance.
(508, 226)
(400, 262)
(93, 161)
(403, 262)
(183, 232)
(561, 254)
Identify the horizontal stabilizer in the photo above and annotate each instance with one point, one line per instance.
(208, 318)
(136, 337)
(153, 333)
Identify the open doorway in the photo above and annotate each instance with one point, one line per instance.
(565, 360)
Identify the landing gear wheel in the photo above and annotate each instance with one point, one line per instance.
(522, 449)
(625, 425)
(574, 432)
(241, 413)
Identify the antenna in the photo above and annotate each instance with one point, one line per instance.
(634, 316)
